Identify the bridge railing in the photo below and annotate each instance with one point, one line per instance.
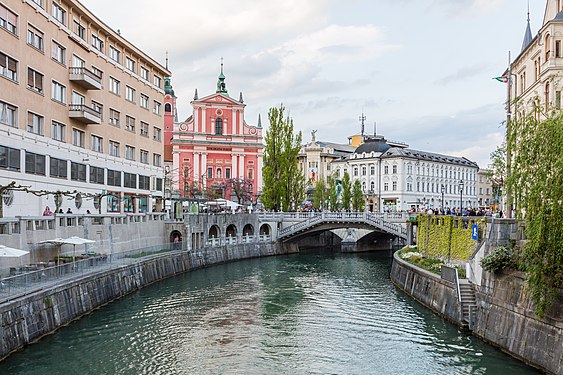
(298, 216)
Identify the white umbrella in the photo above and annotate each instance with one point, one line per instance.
(74, 240)
(10, 252)
(56, 241)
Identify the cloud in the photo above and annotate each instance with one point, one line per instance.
(463, 73)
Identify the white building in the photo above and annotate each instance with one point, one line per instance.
(397, 178)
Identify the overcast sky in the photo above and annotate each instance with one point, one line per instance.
(420, 69)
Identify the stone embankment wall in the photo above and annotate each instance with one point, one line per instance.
(505, 317)
(429, 289)
(29, 318)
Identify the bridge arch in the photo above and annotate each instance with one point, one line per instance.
(214, 232)
(175, 234)
(265, 229)
(231, 231)
(248, 230)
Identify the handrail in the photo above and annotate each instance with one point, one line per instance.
(457, 285)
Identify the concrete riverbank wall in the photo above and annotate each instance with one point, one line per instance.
(504, 318)
(33, 316)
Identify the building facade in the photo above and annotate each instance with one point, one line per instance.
(80, 111)
(214, 148)
(397, 178)
(485, 191)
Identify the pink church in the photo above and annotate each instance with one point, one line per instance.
(214, 151)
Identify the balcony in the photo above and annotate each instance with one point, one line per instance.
(85, 78)
(84, 114)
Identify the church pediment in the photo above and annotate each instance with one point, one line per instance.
(218, 99)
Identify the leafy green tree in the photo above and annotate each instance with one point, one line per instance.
(332, 192)
(284, 182)
(497, 171)
(357, 196)
(536, 185)
(346, 191)
(320, 194)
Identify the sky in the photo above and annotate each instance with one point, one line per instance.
(419, 70)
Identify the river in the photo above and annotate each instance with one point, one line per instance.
(313, 313)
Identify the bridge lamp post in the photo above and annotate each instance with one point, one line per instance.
(461, 198)
(442, 190)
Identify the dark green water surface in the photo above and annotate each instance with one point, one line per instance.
(316, 313)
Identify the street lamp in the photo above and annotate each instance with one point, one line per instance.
(461, 198)
(442, 190)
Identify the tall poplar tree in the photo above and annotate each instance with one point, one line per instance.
(357, 196)
(284, 182)
(346, 191)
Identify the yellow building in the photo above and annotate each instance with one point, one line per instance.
(80, 109)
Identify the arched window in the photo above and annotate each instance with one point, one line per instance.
(167, 108)
(547, 47)
(547, 96)
(219, 126)
(219, 173)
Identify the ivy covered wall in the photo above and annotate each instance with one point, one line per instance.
(447, 237)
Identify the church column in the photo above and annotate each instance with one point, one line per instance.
(234, 123)
(196, 119)
(196, 167)
(203, 121)
(175, 169)
(234, 167)
(204, 167)
(241, 166)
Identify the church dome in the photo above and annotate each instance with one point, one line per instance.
(373, 145)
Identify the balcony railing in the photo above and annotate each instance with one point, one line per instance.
(84, 114)
(85, 78)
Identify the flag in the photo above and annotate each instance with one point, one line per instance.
(503, 78)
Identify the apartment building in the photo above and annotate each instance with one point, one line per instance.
(80, 111)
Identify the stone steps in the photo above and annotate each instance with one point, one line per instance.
(468, 300)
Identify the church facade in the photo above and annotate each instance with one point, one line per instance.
(214, 153)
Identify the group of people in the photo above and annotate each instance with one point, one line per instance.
(48, 212)
(462, 212)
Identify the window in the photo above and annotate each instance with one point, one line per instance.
(144, 73)
(409, 186)
(129, 180)
(78, 172)
(114, 203)
(114, 54)
(557, 48)
(156, 107)
(129, 152)
(34, 80)
(130, 123)
(78, 99)
(395, 170)
(130, 93)
(98, 108)
(409, 169)
(144, 129)
(156, 160)
(130, 64)
(35, 38)
(57, 168)
(547, 47)
(219, 126)
(9, 158)
(58, 52)
(144, 157)
(97, 43)
(113, 117)
(34, 123)
(77, 138)
(386, 186)
(394, 185)
(372, 170)
(96, 143)
(128, 203)
(9, 67)
(8, 115)
(8, 20)
(157, 134)
(96, 175)
(58, 92)
(114, 148)
(144, 102)
(79, 29)
(34, 163)
(114, 178)
(386, 169)
(58, 13)
(144, 182)
(167, 108)
(227, 172)
(114, 85)
(355, 171)
(157, 81)
(97, 72)
(39, 2)
(558, 99)
(209, 172)
(77, 62)
(364, 170)
(58, 131)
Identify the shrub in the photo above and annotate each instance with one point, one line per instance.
(497, 260)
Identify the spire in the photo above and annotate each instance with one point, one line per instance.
(168, 90)
(528, 32)
(221, 86)
(362, 119)
(166, 60)
(259, 121)
(196, 97)
(240, 99)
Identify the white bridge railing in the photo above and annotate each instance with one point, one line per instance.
(376, 220)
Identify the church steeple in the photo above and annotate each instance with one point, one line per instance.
(221, 86)
(527, 33)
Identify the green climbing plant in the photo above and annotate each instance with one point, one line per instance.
(535, 182)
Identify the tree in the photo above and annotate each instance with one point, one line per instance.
(332, 192)
(242, 187)
(357, 196)
(284, 182)
(346, 191)
(536, 184)
(497, 170)
(320, 194)
(13, 186)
